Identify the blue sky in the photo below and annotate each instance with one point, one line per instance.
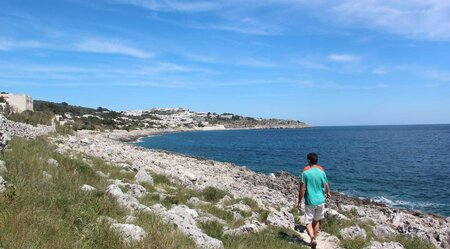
(340, 62)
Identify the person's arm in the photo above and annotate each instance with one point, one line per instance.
(327, 190)
(300, 195)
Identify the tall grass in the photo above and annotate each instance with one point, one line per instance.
(55, 213)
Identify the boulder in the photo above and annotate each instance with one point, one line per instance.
(101, 174)
(143, 177)
(250, 226)
(224, 200)
(194, 201)
(385, 245)
(3, 168)
(3, 185)
(240, 207)
(181, 216)
(52, 162)
(383, 232)
(87, 188)
(333, 213)
(353, 233)
(397, 220)
(129, 232)
(46, 175)
(281, 218)
(130, 219)
(136, 190)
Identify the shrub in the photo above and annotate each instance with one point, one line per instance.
(213, 229)
(33, 118)
(213, 194)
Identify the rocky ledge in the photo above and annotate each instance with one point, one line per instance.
(275, 193)
(273, 196)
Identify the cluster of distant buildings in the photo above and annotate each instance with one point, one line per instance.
(17, 102)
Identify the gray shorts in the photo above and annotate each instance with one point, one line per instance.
(314, 213)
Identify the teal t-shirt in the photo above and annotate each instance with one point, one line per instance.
(315, 180)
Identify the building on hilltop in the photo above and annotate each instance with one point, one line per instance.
(18, 102)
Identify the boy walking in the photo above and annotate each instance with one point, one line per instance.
(314, 188)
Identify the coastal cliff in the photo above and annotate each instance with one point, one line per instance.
(212, 204)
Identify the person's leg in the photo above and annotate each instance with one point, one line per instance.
(309, 216)
(316, 227)
(319, 214)
(310, 230)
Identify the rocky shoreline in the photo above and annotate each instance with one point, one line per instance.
(271, 191)
(275, 193)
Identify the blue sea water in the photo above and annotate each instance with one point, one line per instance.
(404, 166)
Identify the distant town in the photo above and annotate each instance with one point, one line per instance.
(22, 108)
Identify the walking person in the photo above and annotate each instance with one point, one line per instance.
(315, 190)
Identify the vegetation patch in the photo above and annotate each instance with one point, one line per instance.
(213, 194)
(213, 229)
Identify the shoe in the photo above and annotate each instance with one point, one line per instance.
(313, 243)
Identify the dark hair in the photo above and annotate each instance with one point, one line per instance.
(312, 157)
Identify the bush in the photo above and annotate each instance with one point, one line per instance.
(33, 118)
(213, 229)
(213, 194)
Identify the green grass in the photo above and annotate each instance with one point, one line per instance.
(414, 242)
(267, 239)
(55, 213)
(213, 229)
(213, 194)
(160, 179)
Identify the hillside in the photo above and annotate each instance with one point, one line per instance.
(83, 118)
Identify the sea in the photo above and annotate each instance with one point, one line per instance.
(406, 166)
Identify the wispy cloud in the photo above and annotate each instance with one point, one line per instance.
(172, 5)
(429, 19)
(7, 44)
(111, 47)
(343, 58)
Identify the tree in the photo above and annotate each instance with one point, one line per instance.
(2, 99)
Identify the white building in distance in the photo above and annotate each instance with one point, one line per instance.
(18, 102)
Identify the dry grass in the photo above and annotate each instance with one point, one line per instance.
(55, 213)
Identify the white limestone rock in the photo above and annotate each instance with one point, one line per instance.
(224, 200)
(383, 232)
(143, 177)
(333, 213)
(385, 245)
(194, 201)
(250, 226)
(52, 162)
(240, 207)
(353, 232)
(3, 168)
(136, 190)
(182, 217)
(130, 219)
(46, 175)
(281, 218)
(3, 185)
(129, 232)
(87, 188)
(101, 174)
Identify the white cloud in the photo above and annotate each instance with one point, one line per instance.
(7, 44)
(171, 5)
(343, 58)
(111, 47)
(419, 19)
(428, 19)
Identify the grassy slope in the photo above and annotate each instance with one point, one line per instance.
(54, 213)
(41, 213)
